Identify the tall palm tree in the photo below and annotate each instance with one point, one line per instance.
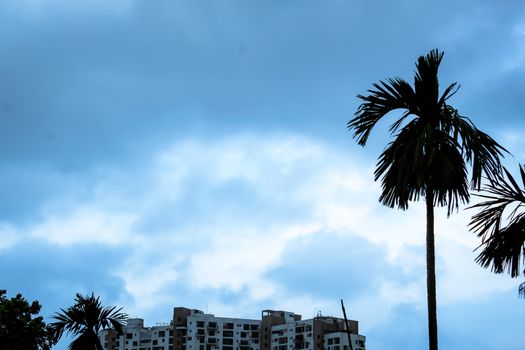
(429, 154)
(85, 319)
(501, 225)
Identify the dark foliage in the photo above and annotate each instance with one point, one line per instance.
(432, 150)
(85, 319)
(501, 225)
(20, 325)
(432, 142)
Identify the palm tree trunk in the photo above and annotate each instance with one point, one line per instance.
(431, 274)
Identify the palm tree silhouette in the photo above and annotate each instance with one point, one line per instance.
(502, 235)
(429, 154)
(85, 319)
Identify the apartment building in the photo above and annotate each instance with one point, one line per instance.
(339, 341)
(208, 332)
(318, 333)
(138, 337)
(193, 329)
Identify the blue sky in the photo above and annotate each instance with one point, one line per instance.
(195, 153)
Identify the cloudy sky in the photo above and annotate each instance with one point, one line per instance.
(195, 153)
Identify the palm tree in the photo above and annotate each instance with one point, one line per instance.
(85, 319)
(428, 157)
(502, 235)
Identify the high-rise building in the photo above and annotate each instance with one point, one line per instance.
(136, 336)
(196, 330)
(193, 329)
(286, 331)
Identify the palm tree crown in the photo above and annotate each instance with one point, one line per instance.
(429, 151)
(85, 319)
(501, 225)
(429, 154)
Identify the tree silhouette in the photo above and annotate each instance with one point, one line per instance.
(20, 325)
(501, 225)
(85, 319)
(428, 157)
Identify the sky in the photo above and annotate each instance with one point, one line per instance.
(170, 153)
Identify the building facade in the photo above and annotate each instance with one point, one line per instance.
(339, 341)
(138, 337)
(193, 329)
(318, 333)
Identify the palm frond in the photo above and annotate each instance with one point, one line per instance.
(503, 237)
(504, 250)
(431, 150)
(386, 97)
(408, 166)
(478, 149)
(85, 318)
(87, 340)
(502, 191)
(450, 91)
(426, 84)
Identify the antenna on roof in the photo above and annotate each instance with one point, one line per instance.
(351, 347)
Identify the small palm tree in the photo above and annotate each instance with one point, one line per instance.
(501, 225)
(85, 319)
(432, 146)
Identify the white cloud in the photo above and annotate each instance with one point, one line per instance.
(85, 225)
(8, 236)
(293, 186)
(236, 258)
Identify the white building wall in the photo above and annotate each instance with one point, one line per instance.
(138, 337)
(207, 332)
(339, 341)
(296, 335)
